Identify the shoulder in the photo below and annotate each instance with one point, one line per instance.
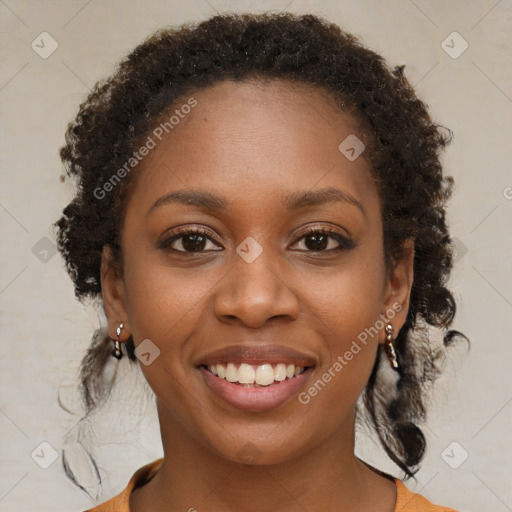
(121, 502)
(408, 501)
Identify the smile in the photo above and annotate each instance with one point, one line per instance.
(246, 393)
(255, 375)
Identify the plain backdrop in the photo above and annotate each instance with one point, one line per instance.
(45, 331)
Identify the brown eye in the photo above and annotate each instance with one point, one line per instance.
(193, 243)
(189, 241)
(317, 241)
(325, 240)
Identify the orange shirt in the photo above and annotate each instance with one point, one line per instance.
(406, 500)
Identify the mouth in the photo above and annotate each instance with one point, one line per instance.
(255, 377)
(252, 376)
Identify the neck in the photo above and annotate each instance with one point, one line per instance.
(327, 477)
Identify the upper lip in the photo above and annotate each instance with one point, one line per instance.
(256, 354)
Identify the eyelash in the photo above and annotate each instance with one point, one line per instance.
(345, 243)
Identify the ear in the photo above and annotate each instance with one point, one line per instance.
(113, 293)
(398, 288)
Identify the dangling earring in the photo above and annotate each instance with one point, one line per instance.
(390, 349)
(117, 346)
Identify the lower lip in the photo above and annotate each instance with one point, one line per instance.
(255, 399)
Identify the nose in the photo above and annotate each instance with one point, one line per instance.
(255, 293)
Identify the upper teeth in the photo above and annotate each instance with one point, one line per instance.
(263, 375)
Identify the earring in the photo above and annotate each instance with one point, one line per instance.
(117, 345)
(390, 348)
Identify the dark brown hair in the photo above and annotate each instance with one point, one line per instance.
(402, 147)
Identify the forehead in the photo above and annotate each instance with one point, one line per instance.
(252, 139)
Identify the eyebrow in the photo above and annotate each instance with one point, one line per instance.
(192, 198)
(308, 198)
(294, 201)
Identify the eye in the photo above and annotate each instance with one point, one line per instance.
(325, 240)
(189, 241)
(197, 240)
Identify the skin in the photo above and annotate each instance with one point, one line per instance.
(253, 143)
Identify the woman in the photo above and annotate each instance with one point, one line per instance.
(260, 210)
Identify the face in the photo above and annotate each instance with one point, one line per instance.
(251, 243)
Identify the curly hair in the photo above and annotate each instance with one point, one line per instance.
(403, 145)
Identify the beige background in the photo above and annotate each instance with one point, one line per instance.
(44, 331)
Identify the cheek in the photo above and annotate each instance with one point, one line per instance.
(347, 301)
(162, 301)
(164, 306)
(346, 309)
